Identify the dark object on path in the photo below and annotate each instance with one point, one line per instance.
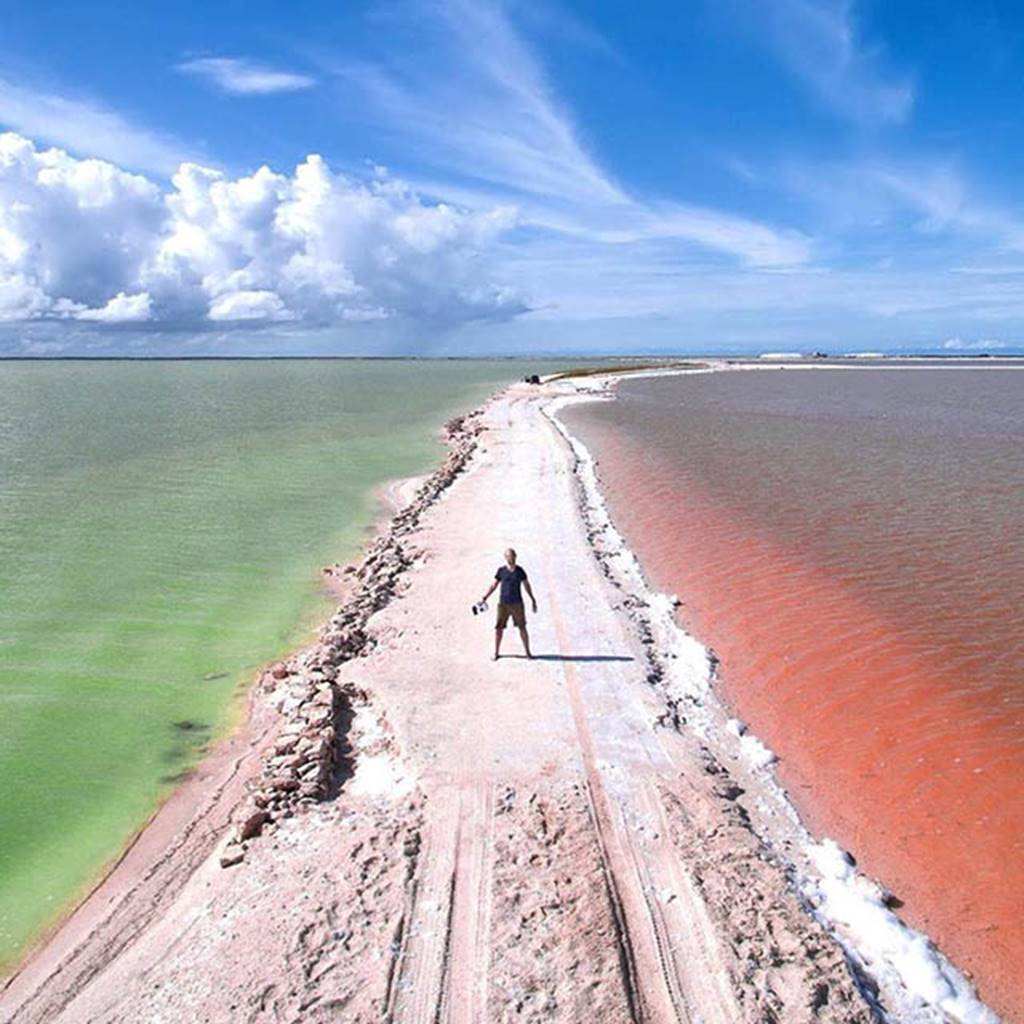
(532, 378)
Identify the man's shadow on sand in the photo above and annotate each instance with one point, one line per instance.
(573, 657)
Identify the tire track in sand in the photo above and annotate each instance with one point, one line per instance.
(419, 968)
(470, 945)
(653, 988)
(441, 961)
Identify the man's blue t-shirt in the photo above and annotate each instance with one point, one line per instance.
(511, 581)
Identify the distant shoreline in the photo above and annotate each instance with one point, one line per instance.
(983, 358)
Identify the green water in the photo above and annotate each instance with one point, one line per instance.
(162, 526)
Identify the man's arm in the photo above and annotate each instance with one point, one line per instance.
(529, 590)
(490, 590)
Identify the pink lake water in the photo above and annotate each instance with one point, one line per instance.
(849, 542)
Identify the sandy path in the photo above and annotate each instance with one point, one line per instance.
(512, 841)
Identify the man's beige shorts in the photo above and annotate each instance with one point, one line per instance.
(517, 611)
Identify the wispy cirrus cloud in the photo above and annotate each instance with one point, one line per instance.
(242, 77)
(821, 43)
(481, 106)
(946, 201)
(88, 129)
(930, 197)
(484, 115)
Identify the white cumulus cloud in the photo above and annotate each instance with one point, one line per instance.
(249, 305)
(120, 309)
(245, 77)
(86, 240)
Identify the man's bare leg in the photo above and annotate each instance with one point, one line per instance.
(497, 642)
(526, 640)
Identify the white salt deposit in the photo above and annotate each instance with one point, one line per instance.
(754, 751)
(378, 772)
(380, 775)
(886, 948)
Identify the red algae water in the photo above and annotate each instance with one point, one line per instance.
(849, 542)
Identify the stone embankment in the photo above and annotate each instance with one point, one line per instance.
(309, 754)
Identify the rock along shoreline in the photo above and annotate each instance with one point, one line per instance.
(308, 751)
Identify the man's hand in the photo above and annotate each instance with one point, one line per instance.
(533, 599)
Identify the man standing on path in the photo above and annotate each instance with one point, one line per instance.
(511, 578)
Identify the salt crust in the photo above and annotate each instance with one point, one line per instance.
(379, 773)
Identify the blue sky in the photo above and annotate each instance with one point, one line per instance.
(472, 176)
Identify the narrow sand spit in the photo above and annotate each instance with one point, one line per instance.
(520, 841)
